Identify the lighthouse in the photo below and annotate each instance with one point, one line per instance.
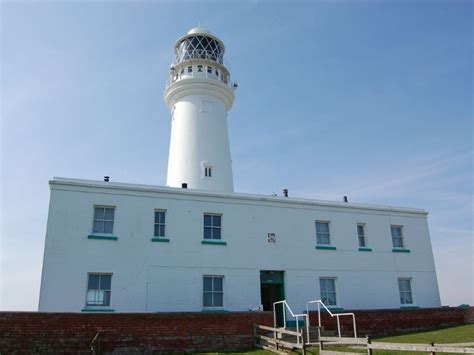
(199, 94)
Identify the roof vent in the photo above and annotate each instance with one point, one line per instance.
(184, 185)
(285, 192)
(106, 178)
(345, 199)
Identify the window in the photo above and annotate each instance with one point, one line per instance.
(361, 234)
(208, 171)
(322, 233)
(212, 226)
(190, 69)
(328, 290)
(98, 290)
(397, 236)
(213, 292)
(217, 72)
(159, 224)
(404, 286)
(209, 70)
(103, 220)
(182, 71)
(199, 68)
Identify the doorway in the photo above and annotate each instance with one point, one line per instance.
(272, 289)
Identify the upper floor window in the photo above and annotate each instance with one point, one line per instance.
(361, 235)
(159, 223)
(190, 69)
(397, 236)
(212, 226)
(404, 287)
(322, 233)
(199, 68)
(213, 291)
(103, 220)
(98, 289)
(327, 286)
(209, 70)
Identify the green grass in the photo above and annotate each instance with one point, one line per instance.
(459, 334)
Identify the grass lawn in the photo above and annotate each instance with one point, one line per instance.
(459, 334)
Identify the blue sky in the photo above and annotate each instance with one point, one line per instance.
(369, 99)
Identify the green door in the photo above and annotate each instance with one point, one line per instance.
(272, 289)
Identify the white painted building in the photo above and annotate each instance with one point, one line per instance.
(140, 248)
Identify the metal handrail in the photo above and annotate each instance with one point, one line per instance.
(285, 304)
(337, 315)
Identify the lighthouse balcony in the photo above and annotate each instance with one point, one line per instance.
(200, 70)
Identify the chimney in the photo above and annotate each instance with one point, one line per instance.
(106, 178)
(345, 199)
(285, 192)
(184, 185)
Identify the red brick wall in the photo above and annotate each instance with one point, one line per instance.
(27, 332)
(469, 316)
(393, 321)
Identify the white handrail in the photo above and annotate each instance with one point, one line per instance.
(285, 304)
(337, 315)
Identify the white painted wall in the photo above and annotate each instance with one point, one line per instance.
(150, 276)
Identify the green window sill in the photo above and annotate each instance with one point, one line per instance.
(325, 247)
(101, 310)
(365, 249)
(400, 250)
(102, 237)
(211, 242)
(409, 307)
(160, 240)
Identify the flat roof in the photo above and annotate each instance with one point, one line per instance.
(61, 181)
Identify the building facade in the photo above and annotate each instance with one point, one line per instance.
(196, 245)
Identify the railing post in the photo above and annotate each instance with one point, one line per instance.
(338, 326)
(304, 342)
(354, 323)
(433, 352)
(321, 344)
(297, 329)
(319, 314)
(274, 316)
(369, 341)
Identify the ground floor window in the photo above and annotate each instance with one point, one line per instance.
(213, 291)
(328, 290)
(404, 287)
(98, 289)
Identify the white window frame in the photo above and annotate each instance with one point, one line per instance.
(328, 234)
(402, 238)
(410, 282)
(211, 226)
(206, 166)
(336, 293)
(99, 306)
(364, 236)
(213, 307)
(103, 220)
(159, 224)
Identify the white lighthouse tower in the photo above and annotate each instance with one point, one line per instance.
(199, 94)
